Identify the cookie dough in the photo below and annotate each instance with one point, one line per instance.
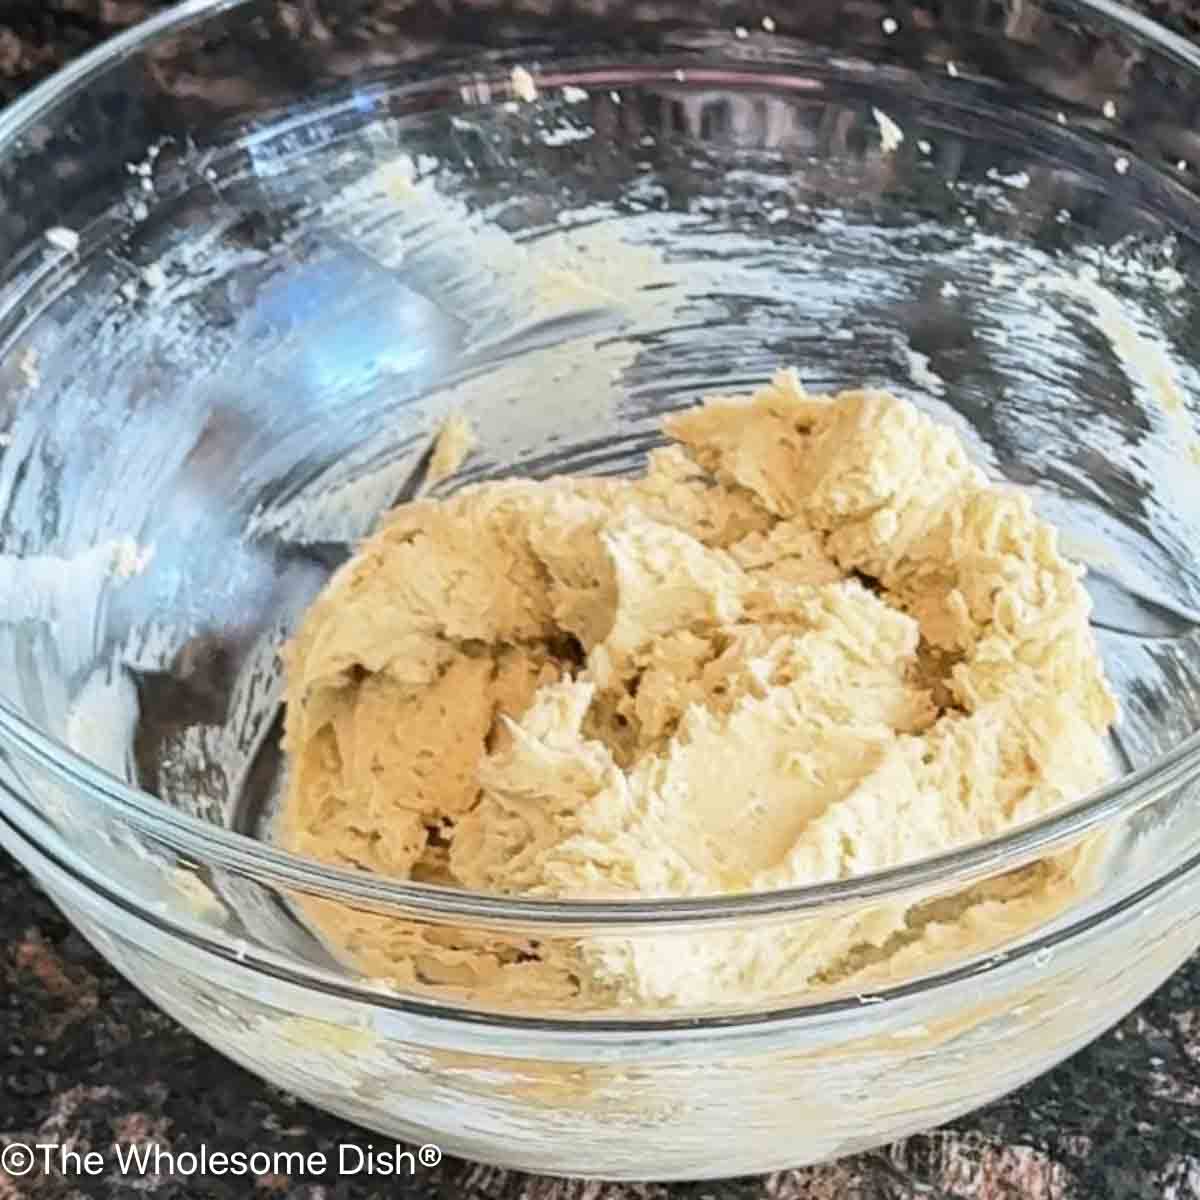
(812, 641)
(453, 444)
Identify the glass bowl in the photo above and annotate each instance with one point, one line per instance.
(255, 253)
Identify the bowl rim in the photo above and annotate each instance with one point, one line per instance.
(210, 843)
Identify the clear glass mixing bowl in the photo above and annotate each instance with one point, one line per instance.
(253, 253)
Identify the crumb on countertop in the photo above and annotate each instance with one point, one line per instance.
(890, 134)
(523, 85)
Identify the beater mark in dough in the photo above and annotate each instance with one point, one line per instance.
(812, 641)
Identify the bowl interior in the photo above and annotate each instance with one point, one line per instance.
(241, 362)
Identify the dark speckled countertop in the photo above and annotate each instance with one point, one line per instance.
(84, 1060)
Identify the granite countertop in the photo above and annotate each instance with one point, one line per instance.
(84, 1060)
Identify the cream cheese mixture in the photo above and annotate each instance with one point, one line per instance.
(812, 641)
